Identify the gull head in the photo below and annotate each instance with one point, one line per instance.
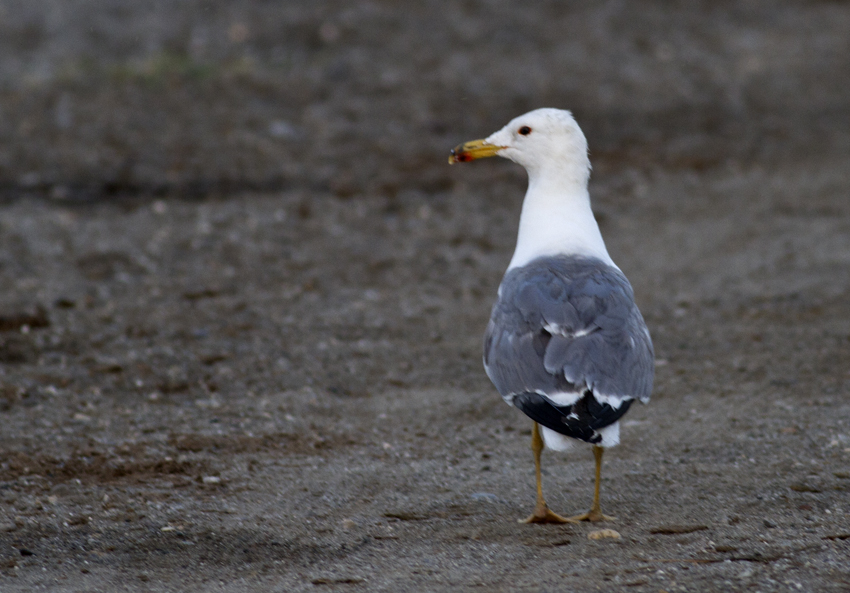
(542, 140)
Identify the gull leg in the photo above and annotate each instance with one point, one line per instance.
(541, 513)
(595, 512)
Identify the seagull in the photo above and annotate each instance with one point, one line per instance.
(566, 343)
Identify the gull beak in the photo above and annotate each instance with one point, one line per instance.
(470, 151)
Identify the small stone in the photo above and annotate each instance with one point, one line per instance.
(746, 573)
(603, 534)
(348, 524)
(485, 497)
(282, 129)
(769, 524)
(211, 480)
(77, 520)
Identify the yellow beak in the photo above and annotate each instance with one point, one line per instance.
(470, 151)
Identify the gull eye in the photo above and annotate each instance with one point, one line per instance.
(525, 130)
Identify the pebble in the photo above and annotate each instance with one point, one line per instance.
(212, 480)
(603, 534)
(746, 573)
(485, 496)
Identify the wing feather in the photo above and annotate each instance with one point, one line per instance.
(569, 325)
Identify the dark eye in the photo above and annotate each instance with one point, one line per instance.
(525, 130)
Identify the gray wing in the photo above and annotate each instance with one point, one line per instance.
(567, 325)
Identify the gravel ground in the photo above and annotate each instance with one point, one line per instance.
(243, 295)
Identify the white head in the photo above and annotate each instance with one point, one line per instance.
(541, 140)
(556, 215)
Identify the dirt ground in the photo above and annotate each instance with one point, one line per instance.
(243, 294)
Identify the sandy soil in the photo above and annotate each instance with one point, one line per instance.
(243, 295)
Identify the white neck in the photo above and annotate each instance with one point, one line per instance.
(556, 219)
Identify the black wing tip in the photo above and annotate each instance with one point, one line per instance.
(581, 420)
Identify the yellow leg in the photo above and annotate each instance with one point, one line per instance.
(595, 512)
(541, 513)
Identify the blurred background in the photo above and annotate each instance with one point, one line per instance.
(107, 97)
(243, 293)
